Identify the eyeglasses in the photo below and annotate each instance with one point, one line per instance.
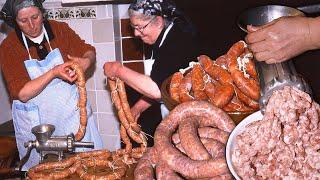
(141, 29)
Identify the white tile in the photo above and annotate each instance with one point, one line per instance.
(110, 11)
(83, 27)
(90, 84)
(123, 11)
(102, 30)
(108, 124)
(100, 79)
(91, 97)
(105, 51)
(102, 11)
(111, 143)
(104, 103)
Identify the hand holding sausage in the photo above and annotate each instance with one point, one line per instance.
(111, 69)
(65, 72)
(283, 38)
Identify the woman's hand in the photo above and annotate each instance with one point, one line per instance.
(65, 72)
(136, 112)
(141, 105)
(280, 39)
(111, 69)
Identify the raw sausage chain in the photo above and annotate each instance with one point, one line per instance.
(81, 84)
(189, 143)
(114, 164)
(230, 82)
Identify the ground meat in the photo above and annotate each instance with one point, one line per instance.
(285, 143)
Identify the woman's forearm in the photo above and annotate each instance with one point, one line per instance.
(140, 106)
(314, 26)
(35, 87)
(140, 82)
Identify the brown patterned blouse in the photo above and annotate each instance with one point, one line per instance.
(13, 53)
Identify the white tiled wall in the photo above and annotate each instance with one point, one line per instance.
(98, 30)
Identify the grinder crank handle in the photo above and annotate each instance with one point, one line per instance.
(30, 145)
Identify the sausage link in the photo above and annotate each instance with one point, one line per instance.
(185, 88)
(248, 86)
(144, 169)
(219, 94)
(207, 132)
(81, 84)
(188, 133)
(246, 100)
(212, 116)
(216, 72)
(163, 172)
(215, 148)
(198, 83)
(174, 86)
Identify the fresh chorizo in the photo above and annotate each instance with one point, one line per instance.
(81, 84)
(222, 61)
(216, 72)
(185, 88)
(198, 83)
(174, 86)
(247, 85)
(215, 148)
(212, 116)
(144, 169)
(219, 94)
(188, 133)
(163, 172)
(245, 99)
(207, 132)
(236, 105)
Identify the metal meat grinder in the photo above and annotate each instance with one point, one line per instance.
(47, 144)
(273, 76)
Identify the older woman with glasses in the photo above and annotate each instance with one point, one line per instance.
(174, 44)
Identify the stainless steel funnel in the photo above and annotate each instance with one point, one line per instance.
(263, 14)
(43, 132)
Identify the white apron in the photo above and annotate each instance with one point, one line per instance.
(56, 105)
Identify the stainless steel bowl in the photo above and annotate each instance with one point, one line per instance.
(264, 14)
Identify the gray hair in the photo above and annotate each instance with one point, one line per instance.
(146, 17)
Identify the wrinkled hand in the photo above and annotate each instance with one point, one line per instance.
(65, 72)
(111, 69)
(135, 113)
(280, 39)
